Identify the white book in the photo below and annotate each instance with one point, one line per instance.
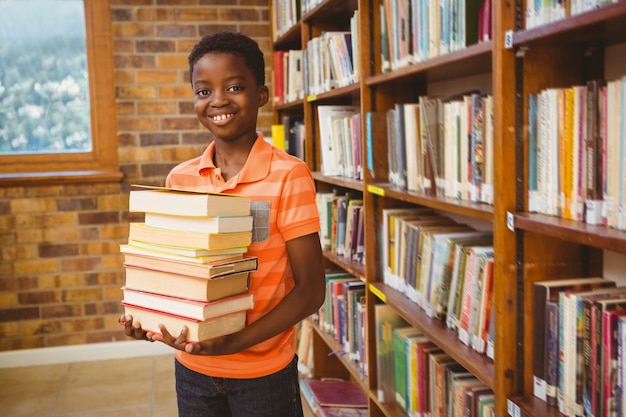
(328, 138)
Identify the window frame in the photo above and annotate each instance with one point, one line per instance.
(101, 164)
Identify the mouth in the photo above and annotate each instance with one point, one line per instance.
(222, 117)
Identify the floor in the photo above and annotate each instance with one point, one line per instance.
(132, 387)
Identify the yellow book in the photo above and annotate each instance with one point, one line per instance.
(566, 143)
(201, 240)
(278, 137)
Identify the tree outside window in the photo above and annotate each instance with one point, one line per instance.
(57, 103)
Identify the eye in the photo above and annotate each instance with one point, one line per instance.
(203, 92)
(235, 88)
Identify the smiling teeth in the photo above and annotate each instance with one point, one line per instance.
(222, 116)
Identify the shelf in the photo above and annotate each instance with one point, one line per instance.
(290, 39)
(337, 348)
(436, 330)
(343, 182)
(604, 25)
(291, 106)
(355, 268)
(601, 237)
(475, 59)
(330, 10)
(351, 91)
(533, 407)
(466, 208)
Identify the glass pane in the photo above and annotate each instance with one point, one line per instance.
(44, 88)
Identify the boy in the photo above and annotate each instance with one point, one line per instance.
(252, 372)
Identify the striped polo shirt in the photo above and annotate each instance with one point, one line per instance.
(282, 191)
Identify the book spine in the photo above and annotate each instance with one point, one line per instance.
(551, 351)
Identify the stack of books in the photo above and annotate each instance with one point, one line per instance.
(186, 264)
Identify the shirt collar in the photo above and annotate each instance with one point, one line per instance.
(257, 165)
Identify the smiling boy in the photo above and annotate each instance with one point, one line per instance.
(252, 372)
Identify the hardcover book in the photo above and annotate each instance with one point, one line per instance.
(165, 250)
(197, 329)
(205, 224)
(330, 392)
(197, 258)
(185, 286)
(199, 310)
(187, 202)
(200, 270)
(202, 240)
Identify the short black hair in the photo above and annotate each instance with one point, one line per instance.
(235, 43)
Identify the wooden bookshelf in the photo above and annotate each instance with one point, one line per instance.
(528, 247)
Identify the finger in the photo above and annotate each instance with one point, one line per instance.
(138, 332)
(182, 337)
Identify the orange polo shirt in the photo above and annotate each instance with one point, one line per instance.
(282, 191)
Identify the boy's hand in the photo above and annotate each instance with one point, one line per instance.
(221, 345)
(133, 329)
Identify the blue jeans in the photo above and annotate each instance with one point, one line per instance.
(275, 395)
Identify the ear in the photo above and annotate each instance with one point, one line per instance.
(264, 95)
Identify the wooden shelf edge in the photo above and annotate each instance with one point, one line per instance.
(477, 51)
(467, 208)
(355, 268)
(344, 182)
(436, 330)
(600, 236)
(604, 23)
(532, 407)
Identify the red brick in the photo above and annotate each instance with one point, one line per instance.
(80, 264)
(180, 123)
(98, 217)
(19, 314)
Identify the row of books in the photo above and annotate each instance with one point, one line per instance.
(285, 15)
(340, 140)
(288, 76)
(417, 30)
(444, 267)
(328, 62)
(341, 223)
(186, 264)
(540, 12)
(290, 135)
(437, 146)
(331, 60)
(421, 378)
(342, 316)
(578, 345)
(576, 150)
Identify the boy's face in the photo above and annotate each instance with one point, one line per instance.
(226, 96)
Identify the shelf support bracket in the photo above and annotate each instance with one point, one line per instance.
(510, 221)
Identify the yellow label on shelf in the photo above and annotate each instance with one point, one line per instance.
(311, 98)
(377, 293)
(376, 190)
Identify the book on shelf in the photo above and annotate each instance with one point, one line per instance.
(402, 337)
(342, 412)
(334, 143)
(279, 139)
(197, 329)
(202, 240)
(231, 254)
(386, 319)
(545, 330)
(204, 224)
(186, 286)
(187, 202)
(199, 310)
(333, 392)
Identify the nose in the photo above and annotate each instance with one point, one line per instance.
(219, 98)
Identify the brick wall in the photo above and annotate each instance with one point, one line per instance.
(60, 267)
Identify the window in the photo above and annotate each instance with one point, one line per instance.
(57, 106)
